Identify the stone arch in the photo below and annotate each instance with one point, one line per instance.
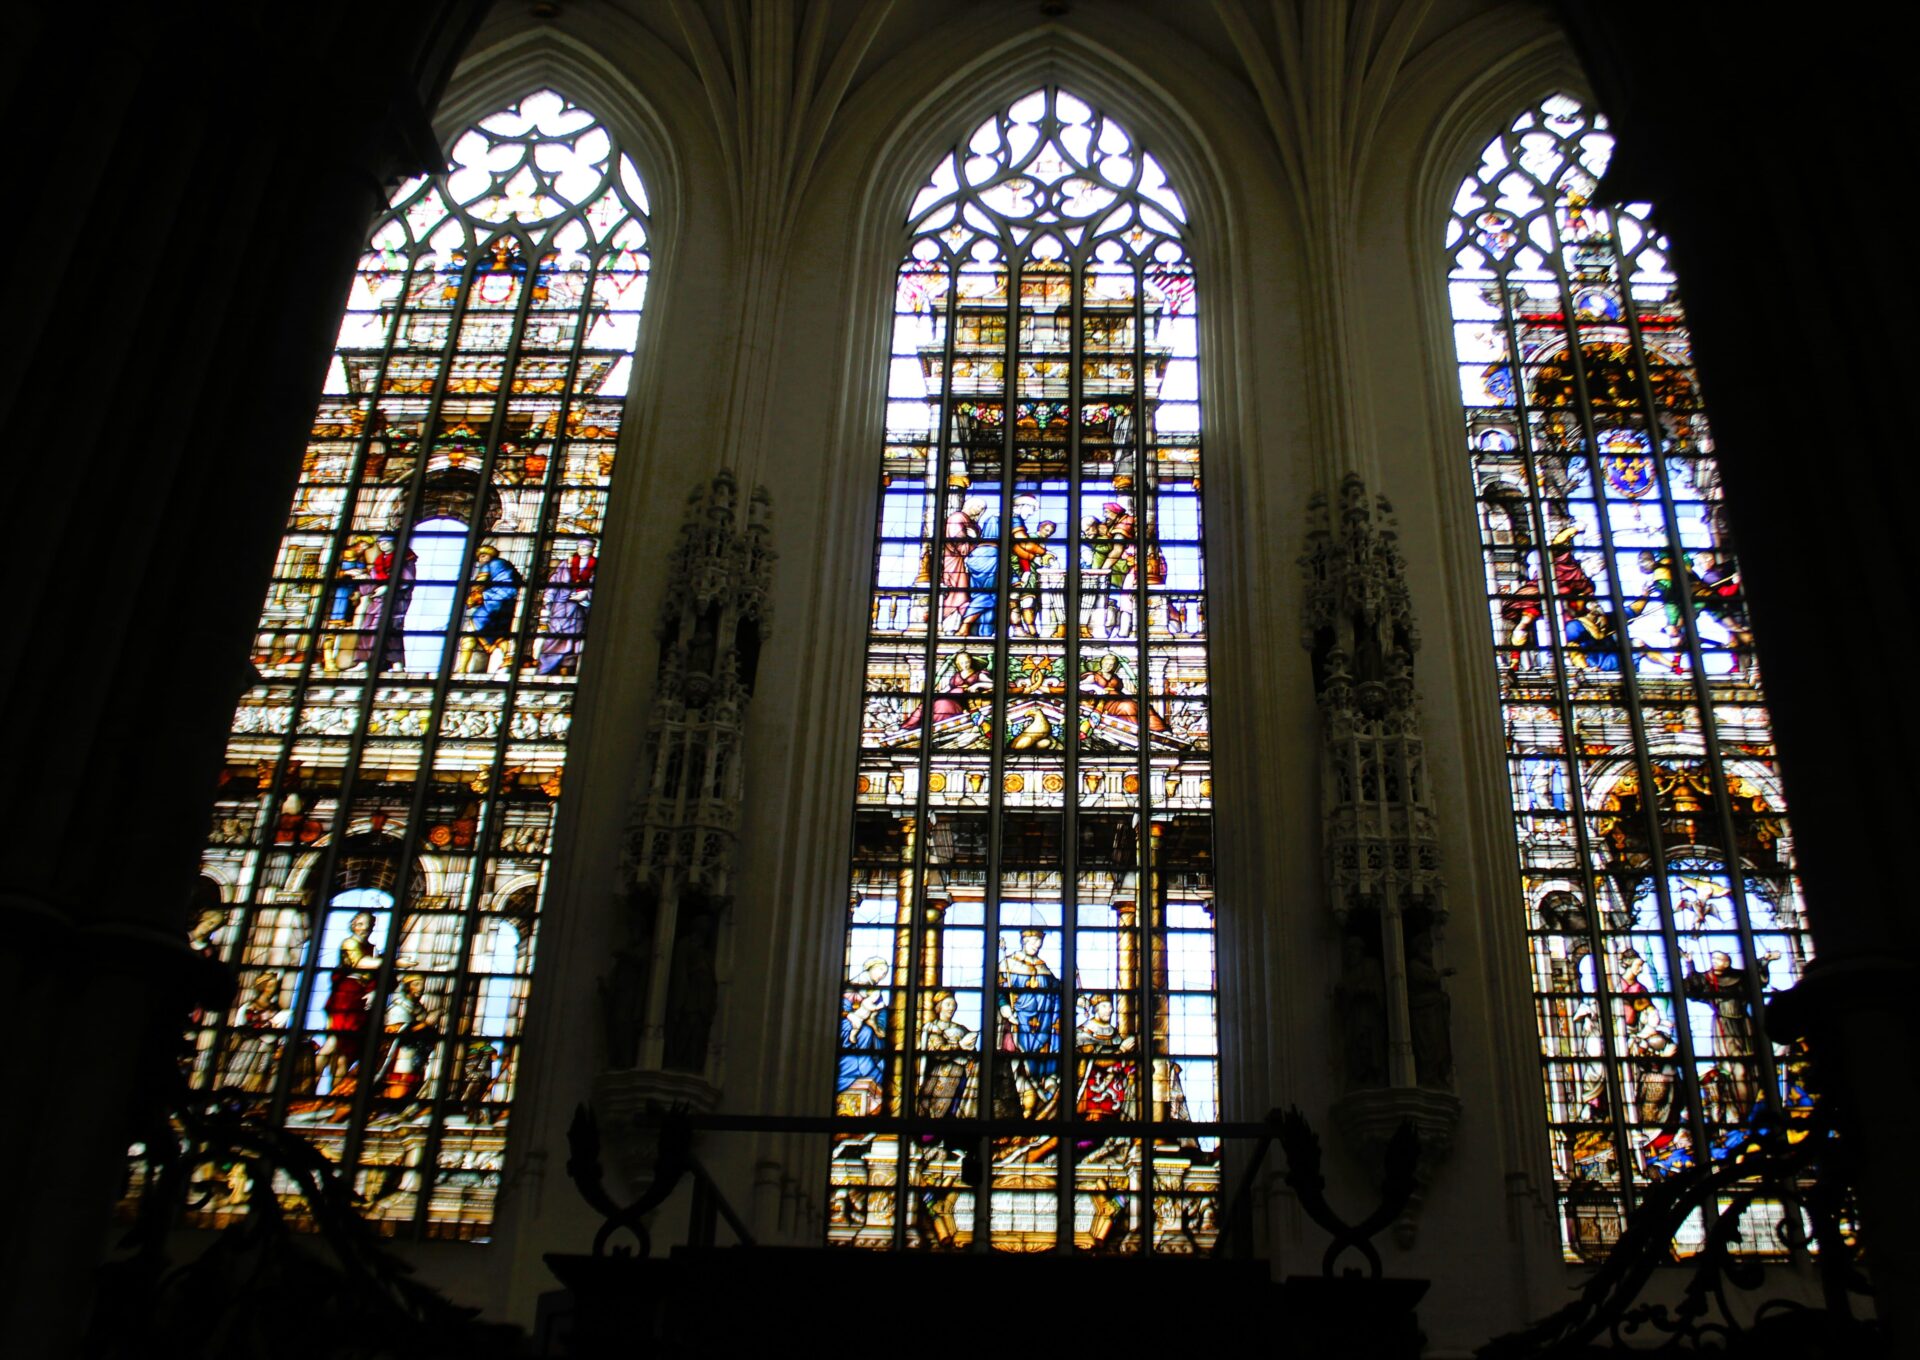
(926, 124)
(923, 119)
(639, 121)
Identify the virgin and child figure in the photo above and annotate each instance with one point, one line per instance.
(341, 646)
(1650, 1044)
(372, 580)
(860, 1081)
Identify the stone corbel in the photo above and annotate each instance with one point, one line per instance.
(1368, 1118)
(628, 1106)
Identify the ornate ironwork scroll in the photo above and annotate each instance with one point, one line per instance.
(1782, 1187)
(301, 1240)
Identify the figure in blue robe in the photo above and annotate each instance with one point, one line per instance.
(490, 600)
(1590, 637)
(489, 617)
(1030, 1023)
(983, 576)
(863, 1036)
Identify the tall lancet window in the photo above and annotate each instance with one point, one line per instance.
(1030, 926)
(1656, 867)
(379, 845)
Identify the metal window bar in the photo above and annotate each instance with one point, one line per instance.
(492, 808)
(266, 827)
(443, 684)
(322, 877)
(1576, 787)
(1611, 270)
(1733, 862)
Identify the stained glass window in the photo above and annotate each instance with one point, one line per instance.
(379, 844)
(1030, 925)
(1656, 865)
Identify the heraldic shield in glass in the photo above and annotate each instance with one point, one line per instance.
(379, 843)
(1656, 864)
(1030, 924)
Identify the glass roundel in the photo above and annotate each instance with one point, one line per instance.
(1029, 934)
(379, 843)
(1656, 863)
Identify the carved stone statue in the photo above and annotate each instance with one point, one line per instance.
(693, 989)
(622, 1007)
(623, 991)
(1430, 1014)
(1360, 1004)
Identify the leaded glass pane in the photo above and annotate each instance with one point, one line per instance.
(380, 838)
(1030, 924)
(1656, 864)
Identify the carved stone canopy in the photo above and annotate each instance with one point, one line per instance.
(628, 1104)
(1378, 833)
(663, 996)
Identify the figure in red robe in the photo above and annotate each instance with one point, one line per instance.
(1107, 1077)
(1106, 682)
(966, 677)
(956, 585)
(347, 1002)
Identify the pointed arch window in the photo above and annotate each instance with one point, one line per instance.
(379, 846)
(1030, 923)
(1656, 863)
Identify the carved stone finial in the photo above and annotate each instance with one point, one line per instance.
(1368, 1121)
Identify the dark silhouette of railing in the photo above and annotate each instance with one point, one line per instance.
(622, 1291)
(302, 1274)
(1799, 1163)
(676, 1161)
